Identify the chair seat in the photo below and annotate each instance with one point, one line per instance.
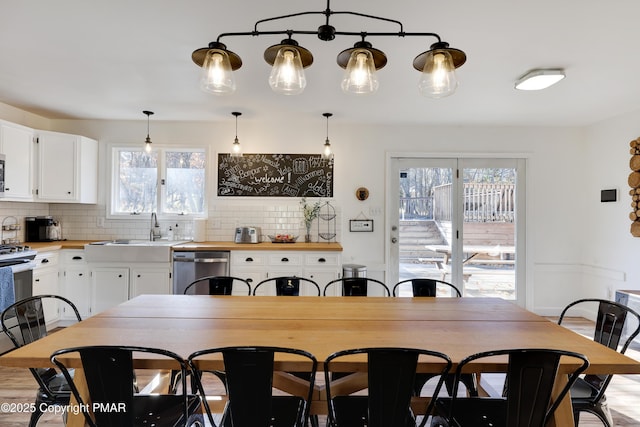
(582, 390)
(165, 410)
(475, 412)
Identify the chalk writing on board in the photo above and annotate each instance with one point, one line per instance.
(275, 175)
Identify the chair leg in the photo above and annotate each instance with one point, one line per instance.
(35, 416)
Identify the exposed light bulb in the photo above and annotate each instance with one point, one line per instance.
(326, 153)
(236, 149)
(217, 75)
(147, 145)
(287, 74)
(360, 75)
(438, 78)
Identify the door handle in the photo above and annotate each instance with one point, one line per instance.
(394, 240)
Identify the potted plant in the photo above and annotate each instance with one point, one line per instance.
(309, 213)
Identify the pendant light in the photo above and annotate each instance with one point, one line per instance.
(327, 154)
(218, 65)
(288, 60)
(438, 66)
(236, 149)
(147, 142)
(361, 63)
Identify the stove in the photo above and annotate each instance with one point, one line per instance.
(19, 257)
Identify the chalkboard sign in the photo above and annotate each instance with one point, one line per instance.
(275, 175)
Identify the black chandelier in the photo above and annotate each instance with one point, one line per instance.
(289, 59)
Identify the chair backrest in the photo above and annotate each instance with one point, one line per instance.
(216, 285)
(110, 376)
(390, 379)
(422, 287)
(616, 327)
(249, 375)
(529, 383)
(24, 322)
(290, 286)
(357, 286)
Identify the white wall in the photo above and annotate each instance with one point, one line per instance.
(610, 251)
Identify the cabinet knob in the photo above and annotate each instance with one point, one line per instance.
(119, 275)
(285, 259)
(44, 261)
(249, 259)
(76, 257)
(6, 189)
(138, 275)
(80, 274)
(68, 192)
(322, 260)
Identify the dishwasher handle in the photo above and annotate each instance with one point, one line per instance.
(211, 260)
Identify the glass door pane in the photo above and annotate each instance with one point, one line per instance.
(424, 220)
(489, 228)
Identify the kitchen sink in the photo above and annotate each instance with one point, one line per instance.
(129, 250)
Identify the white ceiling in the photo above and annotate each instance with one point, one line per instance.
(89, 59)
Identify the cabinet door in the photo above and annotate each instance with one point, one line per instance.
(45, 282)
(109, 287)
(150, 281)
(58, 163)
(77, 288)
(322, 268)
(16, 144)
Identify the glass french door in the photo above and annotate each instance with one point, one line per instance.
(458, 220)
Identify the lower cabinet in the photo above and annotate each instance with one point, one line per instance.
(45, 282)
(255, 266)
(97, 287)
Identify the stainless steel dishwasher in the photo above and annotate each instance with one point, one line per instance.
(189, 266)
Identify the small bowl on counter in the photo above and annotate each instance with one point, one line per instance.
(282, 238)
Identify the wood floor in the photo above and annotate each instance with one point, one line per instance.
(18, 386)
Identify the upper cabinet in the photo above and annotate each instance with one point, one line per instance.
(16, 144)
(67, 168)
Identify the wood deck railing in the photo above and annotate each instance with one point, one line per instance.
(482, 203)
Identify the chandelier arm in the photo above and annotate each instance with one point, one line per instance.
(364, 15)
(265, 33)
(275, 18)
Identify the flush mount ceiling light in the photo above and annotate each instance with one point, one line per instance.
(360, 62)
(236, 150)
(326, 153)
(147, 142)
(539, 79)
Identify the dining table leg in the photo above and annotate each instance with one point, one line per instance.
(563, 415)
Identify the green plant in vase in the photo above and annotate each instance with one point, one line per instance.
(309, 213)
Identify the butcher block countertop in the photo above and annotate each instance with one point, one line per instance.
(194, 246)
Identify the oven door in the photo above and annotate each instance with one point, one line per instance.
(22, 277)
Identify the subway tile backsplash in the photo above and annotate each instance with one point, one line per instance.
(88, 222)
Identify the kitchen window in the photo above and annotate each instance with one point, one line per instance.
(169, 181)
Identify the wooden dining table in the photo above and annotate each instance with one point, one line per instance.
(457, 327)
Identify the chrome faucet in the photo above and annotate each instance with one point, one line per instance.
(154, 233)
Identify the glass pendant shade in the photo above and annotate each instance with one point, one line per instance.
(236, 150)
(217, 74)
(438, 77)
(147, 145)
(326, 153)
(360, 75)
(287, 75)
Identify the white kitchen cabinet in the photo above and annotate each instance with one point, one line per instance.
(76, 282)
(16, 143)
(67, 168)
(321, 267)
(45, 282)
(150, 280)
(109, 287)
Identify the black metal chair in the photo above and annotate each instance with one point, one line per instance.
(616, 326)
(357, 286)
(110, 379)
(290, 286)
(24, 322)
(422, 287)
(528, 390)
(216, 285)
(390, 378)
(250, 373)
